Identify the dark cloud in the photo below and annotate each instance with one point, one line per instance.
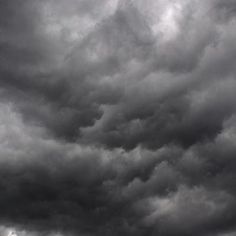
(117, 118)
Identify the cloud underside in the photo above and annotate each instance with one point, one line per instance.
(117, 118)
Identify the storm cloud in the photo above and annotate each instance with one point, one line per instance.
(117, 117)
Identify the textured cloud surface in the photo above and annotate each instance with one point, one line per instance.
(117, 118)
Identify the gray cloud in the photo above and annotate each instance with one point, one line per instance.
(117, 118)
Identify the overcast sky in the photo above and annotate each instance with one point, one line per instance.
(118, 118)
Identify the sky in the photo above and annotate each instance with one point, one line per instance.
(117, 118)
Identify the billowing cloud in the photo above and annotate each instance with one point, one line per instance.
(117, 118)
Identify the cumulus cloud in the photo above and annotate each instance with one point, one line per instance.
(117, 117)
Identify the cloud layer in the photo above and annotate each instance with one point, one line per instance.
(117, 118)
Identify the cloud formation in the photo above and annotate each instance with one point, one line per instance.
(117, 118)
